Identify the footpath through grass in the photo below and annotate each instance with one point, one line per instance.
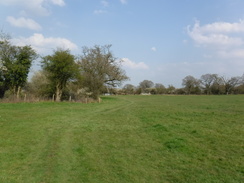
(124, 139)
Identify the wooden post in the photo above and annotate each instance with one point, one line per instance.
(53, 97)
(25, 98)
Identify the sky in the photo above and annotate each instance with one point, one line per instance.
(158, 40)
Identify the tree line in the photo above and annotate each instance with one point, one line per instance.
(209, 84)
(62, 74)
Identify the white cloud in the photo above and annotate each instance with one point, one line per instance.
(38, 7)
(123, 1)
(225, 39)
(45, 44)
(217, 34)
(225, 27)
(58, 2)
(154, 49)
(133, 65)
(24, 23)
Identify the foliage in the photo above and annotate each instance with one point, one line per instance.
(160, 88)
(129, 89)
(146, 84)
(190, 84)
(40, 85)
(15, 63)
(60, 68)
(99, 68)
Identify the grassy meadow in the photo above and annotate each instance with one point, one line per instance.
(124, 139)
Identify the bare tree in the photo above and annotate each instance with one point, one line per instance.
(207, 81)
(230, 83)
(99, 67)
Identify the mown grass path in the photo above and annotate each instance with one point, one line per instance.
(124, 139)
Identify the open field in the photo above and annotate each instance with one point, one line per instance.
(124, 139)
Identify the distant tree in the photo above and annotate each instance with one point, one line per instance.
(40, 86)
(171, 89)
(145, 85)
(60, 68)
(190, 84)
(129, 89)
(240, 89)
(180, 91)
(231, 83)
(15, 63)
(207, 80)
(160, 88)
(217, 86)
(99, 67)
(138, 91)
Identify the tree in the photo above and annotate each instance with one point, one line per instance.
(99, 67)
(231, 83)
(39, 85)
(15, 63)
(129, 89)
(191, 84)
(160, 88)
(60, 68)
(171, 89)
(145, 84)
(217, 86)
(207, 81)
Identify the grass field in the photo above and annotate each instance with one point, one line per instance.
(124, 139)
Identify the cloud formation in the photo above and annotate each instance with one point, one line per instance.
(39, 7)
(217, 34)
(58, 2)
(223, 37)
(23, 23)
(133, 65)
(45, 44)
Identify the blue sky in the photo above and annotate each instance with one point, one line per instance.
(159, 40)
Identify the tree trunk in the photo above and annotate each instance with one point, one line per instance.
(18, 92)
(58, 93)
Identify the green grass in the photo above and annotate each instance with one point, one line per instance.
(124, 139)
